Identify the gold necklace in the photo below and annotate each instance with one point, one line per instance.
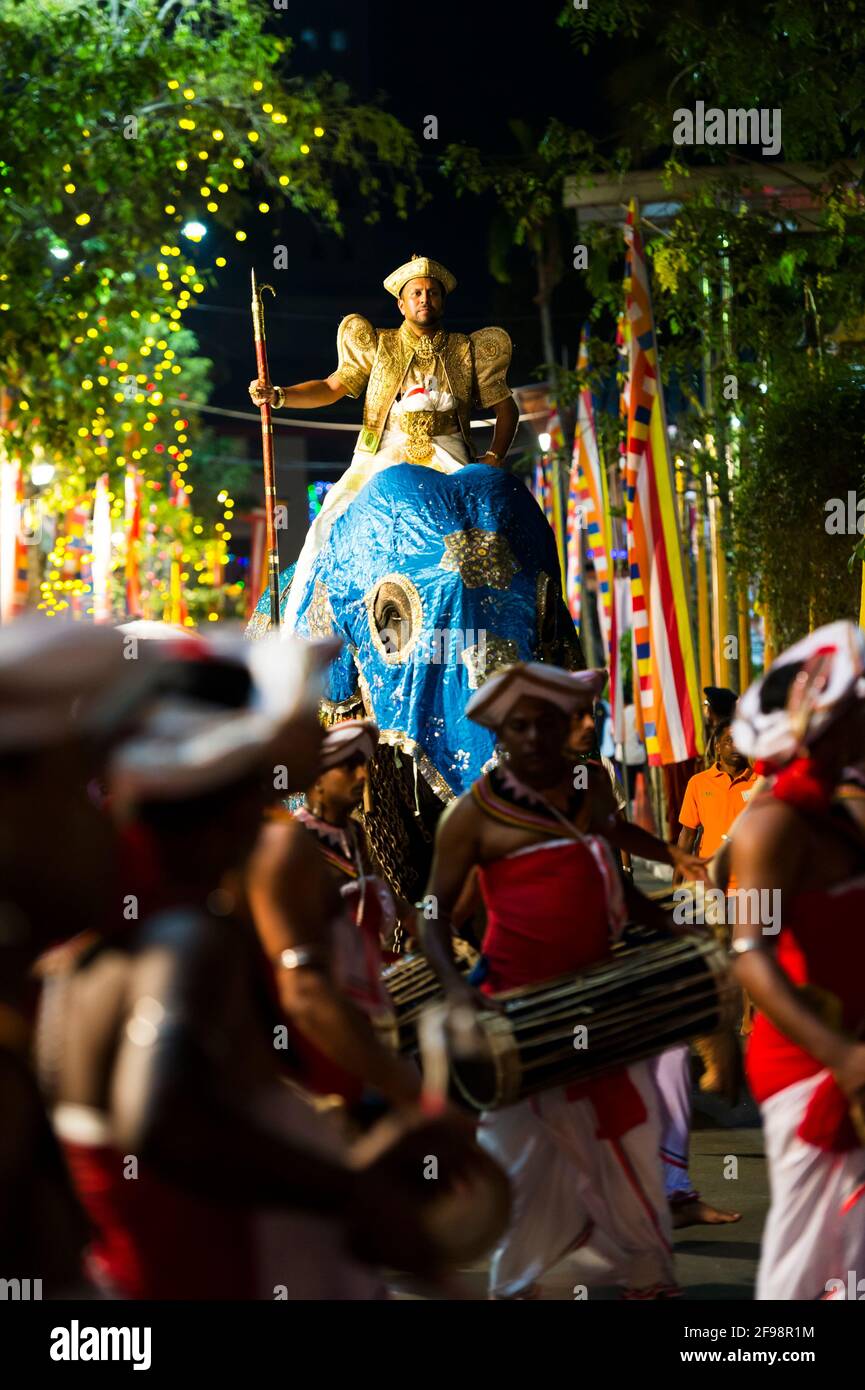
(427, 347)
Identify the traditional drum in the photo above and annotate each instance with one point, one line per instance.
(467, 1209)
(636, 1004)
(412, 984)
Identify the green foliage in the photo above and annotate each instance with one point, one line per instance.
(81, 77)
(121, 123)
(809, 447)
(804, 56)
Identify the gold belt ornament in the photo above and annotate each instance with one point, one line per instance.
(420, 427)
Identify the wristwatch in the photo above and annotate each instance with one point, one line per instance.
(492, 452)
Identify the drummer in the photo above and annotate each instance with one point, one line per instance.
(804, 725)
(322, 915)
(672, 1070)
(583, 1159)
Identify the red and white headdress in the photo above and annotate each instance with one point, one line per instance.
(342, 741)
(832, 674)
(210, 731)
(492, 704)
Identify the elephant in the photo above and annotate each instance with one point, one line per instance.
(433, 581)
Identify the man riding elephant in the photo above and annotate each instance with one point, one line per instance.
(433, 567)
(420, 381)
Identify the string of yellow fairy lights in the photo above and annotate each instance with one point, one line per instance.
(121, 379)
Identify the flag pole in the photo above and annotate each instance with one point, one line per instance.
(267, 450)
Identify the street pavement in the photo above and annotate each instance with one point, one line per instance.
(712, 1262)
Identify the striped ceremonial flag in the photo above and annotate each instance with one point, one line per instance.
(621, 623)
(555, 485)
(176, 610)
(621, 605)
(13, 550)
(541, 489)
(100, 564)
(574, 566)
(588, 505)
(177, 493)
(666, 673)
(556, 433)
(133, 541)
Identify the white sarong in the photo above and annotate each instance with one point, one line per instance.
(815, 1229)
(573, 1191)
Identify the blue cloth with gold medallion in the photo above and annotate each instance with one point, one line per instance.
(434, 580)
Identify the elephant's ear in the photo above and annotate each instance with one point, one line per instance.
(558, 641)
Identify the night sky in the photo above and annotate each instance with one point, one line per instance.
(475, 69)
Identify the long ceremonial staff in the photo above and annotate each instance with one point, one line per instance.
(267, 450)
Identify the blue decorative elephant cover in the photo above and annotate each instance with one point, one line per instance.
(434, 581)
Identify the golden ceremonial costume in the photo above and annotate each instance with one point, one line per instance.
(420, 391)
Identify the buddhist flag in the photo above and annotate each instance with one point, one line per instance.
(100, 564)
(74, 571)
(588, 504)
(556, 433)
(667, 672)
(178, 495)
(555, 484)
(176, 611)
(133, 541)
(13, 549)
(547, 491)
(541, 490)
(621, 623)
(574, 565)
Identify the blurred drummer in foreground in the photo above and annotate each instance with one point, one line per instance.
(65, 689)
(158, 1044)
(322, 915)
(581, 1158)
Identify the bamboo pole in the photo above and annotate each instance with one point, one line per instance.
(768, 637)
(559, 521)
(704, 617)
(744, 638)
(720, 598)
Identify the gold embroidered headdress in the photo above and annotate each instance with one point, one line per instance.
(415, 268)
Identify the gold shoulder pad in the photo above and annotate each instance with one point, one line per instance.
(491, 354)
(355, 344)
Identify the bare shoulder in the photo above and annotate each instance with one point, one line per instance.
(597, 777)
(768, 820)
(281, 843)
(285, 867)
(769, 844)
(459, 817)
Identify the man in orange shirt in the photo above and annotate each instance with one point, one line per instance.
(714, 798)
